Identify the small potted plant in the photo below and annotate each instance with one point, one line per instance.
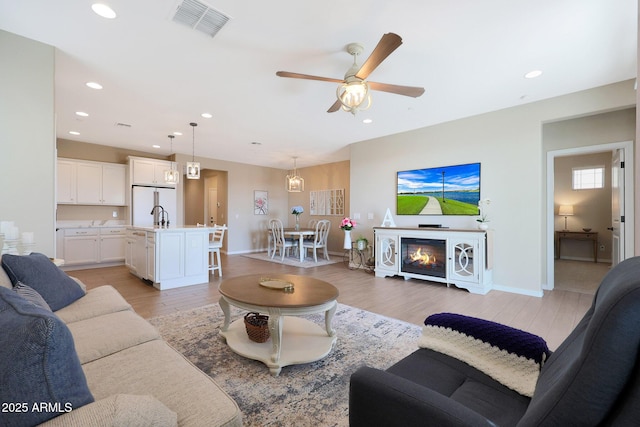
(362, 243)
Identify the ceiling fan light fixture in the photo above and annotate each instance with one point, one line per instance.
(354, 96)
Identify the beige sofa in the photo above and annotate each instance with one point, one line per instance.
(135, 377)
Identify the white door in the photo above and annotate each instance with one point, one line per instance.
(213, 206)
(617, 207)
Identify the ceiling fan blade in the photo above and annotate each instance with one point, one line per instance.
(335, 107)
(387, 44)
(307, 77)
(399, 90)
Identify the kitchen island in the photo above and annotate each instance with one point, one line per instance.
(168, 257)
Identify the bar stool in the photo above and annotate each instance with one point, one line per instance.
(215, 243)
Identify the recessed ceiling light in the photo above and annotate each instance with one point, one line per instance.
(206, 115)
(533, 74)
(177, 133)
(367, 121)
(73, 132)
(155, 146)
(82, 114)
(94, 85)
(103, 10)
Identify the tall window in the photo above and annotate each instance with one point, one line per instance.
(588, 178)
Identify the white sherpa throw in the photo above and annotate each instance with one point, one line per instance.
(510, 356)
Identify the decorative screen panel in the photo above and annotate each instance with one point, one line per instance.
(327, 202)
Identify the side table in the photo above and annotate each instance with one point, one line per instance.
(578, 235)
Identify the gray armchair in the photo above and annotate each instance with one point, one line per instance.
(593, 378)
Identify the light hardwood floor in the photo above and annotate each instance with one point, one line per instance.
(552, 316)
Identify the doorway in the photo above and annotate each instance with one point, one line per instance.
(626, 148)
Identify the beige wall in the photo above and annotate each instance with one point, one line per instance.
(509, 145)
(592, 208)
(27, 140)
(331, 176)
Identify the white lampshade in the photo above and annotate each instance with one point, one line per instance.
(565, 210)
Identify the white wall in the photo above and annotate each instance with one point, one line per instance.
(27, 138)
(508, 144)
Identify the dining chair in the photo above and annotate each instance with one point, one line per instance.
(216, 237)
(311, 224)
(319, 240)
(278, 240)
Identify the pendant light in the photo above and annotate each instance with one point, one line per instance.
(193, 167)
(295, 183)
(171, 176)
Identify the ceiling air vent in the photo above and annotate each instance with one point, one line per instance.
(200, 16)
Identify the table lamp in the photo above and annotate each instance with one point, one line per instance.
(565, 210)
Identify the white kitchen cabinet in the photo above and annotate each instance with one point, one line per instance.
(151, 257)
(91, 183)
(66, 182)
(148, 171)
(112, 244)
(451, 256)
(80, 246)
(174, 257)
(113, 184)
(93, 245)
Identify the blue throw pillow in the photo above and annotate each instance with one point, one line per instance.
(30, 294)
(39, 367)
(36, 270)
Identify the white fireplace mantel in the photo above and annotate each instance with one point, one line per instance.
(468, 256)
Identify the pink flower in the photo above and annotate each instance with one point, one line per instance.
(347, 224)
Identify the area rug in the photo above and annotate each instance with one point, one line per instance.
(313, 394)
(295, 261)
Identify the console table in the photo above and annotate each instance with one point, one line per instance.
(468, 255)
(578, 235)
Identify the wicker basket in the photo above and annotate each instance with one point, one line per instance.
(257, 326)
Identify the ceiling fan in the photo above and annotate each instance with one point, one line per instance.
(353, 91)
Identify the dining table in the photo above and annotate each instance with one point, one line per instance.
(300, 233)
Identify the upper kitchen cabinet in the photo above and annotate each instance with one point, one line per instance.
(95, 183)
(149, 172)
(66, 181)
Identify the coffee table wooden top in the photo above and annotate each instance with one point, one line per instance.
(308, 291)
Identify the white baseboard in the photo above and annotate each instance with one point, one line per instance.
(519, 291)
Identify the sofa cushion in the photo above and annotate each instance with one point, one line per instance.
(97, 301)
(119, 410)
(511, 356)
(156, 368)
(31, 295)
(38, 362)
(101, 336)
(37, 271)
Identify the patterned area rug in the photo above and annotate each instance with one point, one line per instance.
(295, 261)
(313, 394)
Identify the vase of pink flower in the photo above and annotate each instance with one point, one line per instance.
(347, 225)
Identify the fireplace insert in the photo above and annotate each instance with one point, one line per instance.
(427, 257)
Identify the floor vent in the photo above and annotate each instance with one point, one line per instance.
(200, 17)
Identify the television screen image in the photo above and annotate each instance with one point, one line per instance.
(448, 190)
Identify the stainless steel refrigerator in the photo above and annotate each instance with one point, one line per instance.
(143, 199)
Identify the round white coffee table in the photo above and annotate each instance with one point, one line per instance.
(294, 340)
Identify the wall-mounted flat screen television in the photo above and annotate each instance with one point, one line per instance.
(447, 190)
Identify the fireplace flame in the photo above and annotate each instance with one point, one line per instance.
(422, 258)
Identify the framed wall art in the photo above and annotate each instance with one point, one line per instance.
(260, 202)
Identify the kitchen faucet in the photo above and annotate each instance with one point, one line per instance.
(162, 212)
